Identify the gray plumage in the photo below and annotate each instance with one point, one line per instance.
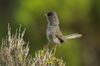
(54, 35)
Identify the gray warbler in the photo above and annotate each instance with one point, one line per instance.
(54, 34)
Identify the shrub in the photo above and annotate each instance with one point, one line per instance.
(14, 51)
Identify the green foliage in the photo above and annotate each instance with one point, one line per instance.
(47, 57)
(15, 52)
(81, 16)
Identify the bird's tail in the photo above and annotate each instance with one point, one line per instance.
(73, 36)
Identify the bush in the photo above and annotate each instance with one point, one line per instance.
(14, 51)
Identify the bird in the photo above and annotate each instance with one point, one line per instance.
(54, 34)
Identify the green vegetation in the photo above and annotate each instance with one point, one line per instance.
(14, 51)
(76, 16)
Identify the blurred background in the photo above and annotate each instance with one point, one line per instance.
(76, 16)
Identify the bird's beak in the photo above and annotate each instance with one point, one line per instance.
(45, 15)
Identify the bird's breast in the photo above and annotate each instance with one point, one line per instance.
(52, 29)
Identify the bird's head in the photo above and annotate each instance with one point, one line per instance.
(52, 18)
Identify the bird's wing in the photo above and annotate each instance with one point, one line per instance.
(60, 37)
